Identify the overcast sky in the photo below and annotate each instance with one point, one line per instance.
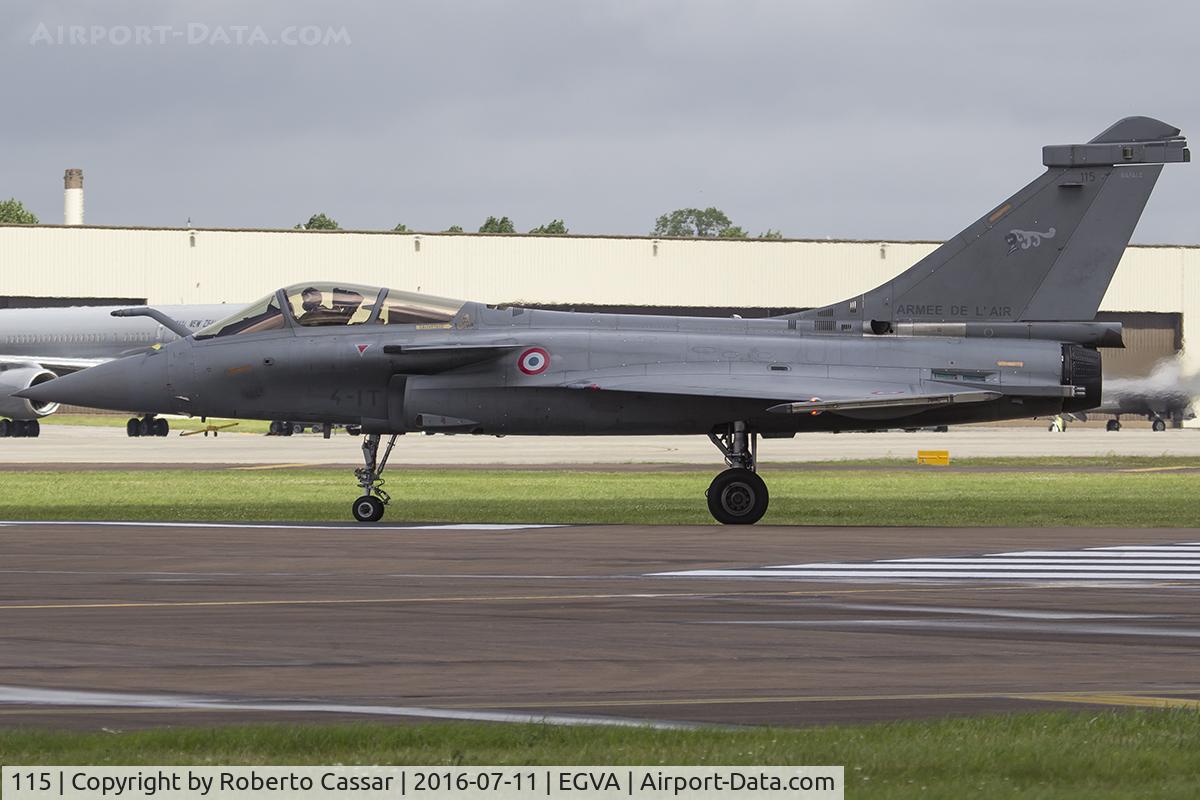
(873, 120)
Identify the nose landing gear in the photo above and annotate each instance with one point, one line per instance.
(738, 496)
(369, 507)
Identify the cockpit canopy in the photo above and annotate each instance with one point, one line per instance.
(311, 305)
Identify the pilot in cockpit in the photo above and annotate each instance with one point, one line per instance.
(310, 299)
(346, 301)
(342, 306)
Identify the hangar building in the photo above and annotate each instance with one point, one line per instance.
(1155, 293)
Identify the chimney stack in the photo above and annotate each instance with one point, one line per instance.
(73, 197)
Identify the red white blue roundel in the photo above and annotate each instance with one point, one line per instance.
(534, 361)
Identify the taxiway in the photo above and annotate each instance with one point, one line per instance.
(62, 445)
(119, 625)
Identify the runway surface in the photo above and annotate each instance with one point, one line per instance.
(123, 626)
(62, 446)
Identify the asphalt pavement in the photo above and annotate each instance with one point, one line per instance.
(132, 625)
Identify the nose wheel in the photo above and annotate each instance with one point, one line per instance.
(370, 507)
(738, 496)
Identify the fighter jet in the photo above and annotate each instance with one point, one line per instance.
(994, 324)
(39, 344)
(1146, 397)
(1165, 394)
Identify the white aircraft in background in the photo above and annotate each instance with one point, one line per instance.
(39, 344)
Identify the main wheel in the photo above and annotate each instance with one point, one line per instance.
(33, 429)
(133, 427)
(1158, 425)
(18, 429)
(6, 428)
(1112, 425)
(737, 497)
(161, 426)
(368, 508)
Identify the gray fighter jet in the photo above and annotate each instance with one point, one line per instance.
(39, 344)
(994, 324)
(1132, 397)
(1165, 394)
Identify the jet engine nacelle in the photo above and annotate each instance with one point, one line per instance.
(16, 379)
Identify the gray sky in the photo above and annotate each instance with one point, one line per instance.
(889, 120)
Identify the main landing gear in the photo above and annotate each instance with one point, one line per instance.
(20, 428)
(369, 507)
(737, 496)
(148, 425)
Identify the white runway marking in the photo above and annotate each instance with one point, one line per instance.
(1012, 613)
(1119, 563)
(31, 696)
(482, 526)
(1056, 628)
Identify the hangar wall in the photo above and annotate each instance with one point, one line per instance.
(183, 265)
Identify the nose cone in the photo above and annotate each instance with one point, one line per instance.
(134, 383)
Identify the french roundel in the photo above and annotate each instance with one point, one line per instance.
(534, 361)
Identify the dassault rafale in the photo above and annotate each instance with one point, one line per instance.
(997, 323)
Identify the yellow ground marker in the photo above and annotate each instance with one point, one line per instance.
(934, 458)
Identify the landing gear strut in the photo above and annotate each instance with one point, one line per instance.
(148, 425)
(369, 507)
(737, 496)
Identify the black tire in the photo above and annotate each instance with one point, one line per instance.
(145, 427)
(1112, 425)
(6, 428)
(133, 427)
(18, 429)
(33, 429)
(367, 508)
(1158, 425)
(161, 427)
(737, 497)
(273, 428)
(287, 428)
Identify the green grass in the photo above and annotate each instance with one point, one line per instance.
(1143, 754)
(177, 423)
(809, 497)
(1111, 460)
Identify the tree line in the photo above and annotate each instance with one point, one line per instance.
(688, 222)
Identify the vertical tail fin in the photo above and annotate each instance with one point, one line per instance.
(1046, 253)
